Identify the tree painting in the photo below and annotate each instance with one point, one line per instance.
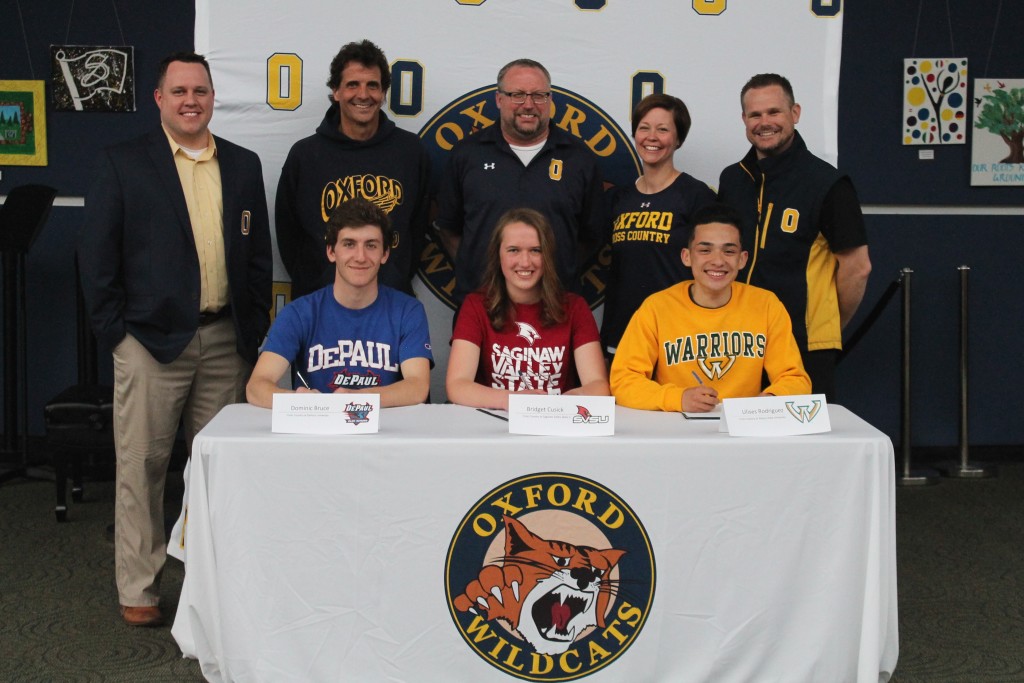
(935, 101)
(1002, 114)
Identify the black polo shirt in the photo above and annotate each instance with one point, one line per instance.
(484, 178)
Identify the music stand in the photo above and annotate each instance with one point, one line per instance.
(22, 217)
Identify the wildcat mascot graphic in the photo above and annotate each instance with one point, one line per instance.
(550, 576)
(549, 592)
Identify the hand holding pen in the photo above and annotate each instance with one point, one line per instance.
(305, 388)
(699, 399)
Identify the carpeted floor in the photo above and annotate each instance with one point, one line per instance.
(58, 603)
(960, 549)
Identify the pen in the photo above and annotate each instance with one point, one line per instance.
(487, 412)
(298, 373)
(701, 383)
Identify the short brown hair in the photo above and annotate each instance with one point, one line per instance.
(188, 58)
(673, 105)
(356, 213)
(767, 80)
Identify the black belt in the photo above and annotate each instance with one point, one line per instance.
(207, 318)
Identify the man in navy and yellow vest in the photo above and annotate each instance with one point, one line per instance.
(804, 225)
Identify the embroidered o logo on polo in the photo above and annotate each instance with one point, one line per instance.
(555, 169)
(550, 577)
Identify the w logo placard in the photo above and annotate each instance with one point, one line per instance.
(804, 413)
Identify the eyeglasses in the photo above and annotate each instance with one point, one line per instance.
(520, 97)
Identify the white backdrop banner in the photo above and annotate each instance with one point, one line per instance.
(270, 62)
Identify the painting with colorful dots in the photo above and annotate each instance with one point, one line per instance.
(935, 101)
(997, 144)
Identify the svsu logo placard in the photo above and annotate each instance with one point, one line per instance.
(573, 113)
(584, 416)
(550, 577)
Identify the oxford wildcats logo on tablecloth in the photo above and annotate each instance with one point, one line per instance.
(571, 112)
(550, 577)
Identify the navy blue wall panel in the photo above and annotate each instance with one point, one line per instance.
(877, 37)
(154, 28)
(933, 247)
(74, 138)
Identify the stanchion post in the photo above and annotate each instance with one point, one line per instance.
(964, 469)
(908, 477)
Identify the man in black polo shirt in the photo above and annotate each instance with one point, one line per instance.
(523, 162)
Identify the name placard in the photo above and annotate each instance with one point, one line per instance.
(561, 415)
(775, 415)
(326, 413)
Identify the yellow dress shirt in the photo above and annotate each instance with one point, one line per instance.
(201, 183)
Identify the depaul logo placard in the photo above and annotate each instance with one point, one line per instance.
(550, 577)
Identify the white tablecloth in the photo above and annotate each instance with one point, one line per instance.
(322, 558)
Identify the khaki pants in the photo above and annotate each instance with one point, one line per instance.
(150, 400)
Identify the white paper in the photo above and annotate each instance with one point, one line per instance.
(561, 415)
(326, 413)
(713, 414)
(775, 415)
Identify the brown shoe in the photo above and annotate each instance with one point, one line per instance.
(142, 616)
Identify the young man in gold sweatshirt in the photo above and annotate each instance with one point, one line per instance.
(691, 345)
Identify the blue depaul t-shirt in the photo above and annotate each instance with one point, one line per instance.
(336, 347)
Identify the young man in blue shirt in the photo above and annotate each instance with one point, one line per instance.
(354, 335)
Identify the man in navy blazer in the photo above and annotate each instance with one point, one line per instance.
(176, 268)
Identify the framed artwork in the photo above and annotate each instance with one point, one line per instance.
(93, 77)
(935, 101)
(22, 123)
(997, 150)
